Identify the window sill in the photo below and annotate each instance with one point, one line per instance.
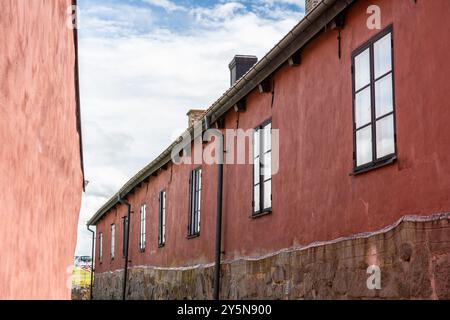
(374, 166)
(160, 246)
(193, 236)
(142, 250)
(261, 213)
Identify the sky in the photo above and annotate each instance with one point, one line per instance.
(144, 64)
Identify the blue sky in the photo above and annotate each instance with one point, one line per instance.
(145, 63)
(181, 16)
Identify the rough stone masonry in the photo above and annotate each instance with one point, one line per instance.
(413, 256)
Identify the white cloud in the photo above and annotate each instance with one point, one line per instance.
(117, 20)
(218, 13)
(166, 4)
(136, 87)
(298, 3)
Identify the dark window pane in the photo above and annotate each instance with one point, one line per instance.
(256, 198)
(266, 166)
(267, 194)
(256, 143)
(267, 138)
(385, 136)
(256, 173)
(162, 217)
(362, 69)
(384, 101)
(113, 240)
(362, 108)
(364, 146)
(383, 56)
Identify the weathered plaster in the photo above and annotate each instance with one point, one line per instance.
(40, 172)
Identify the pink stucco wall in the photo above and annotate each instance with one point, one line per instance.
(40, 171)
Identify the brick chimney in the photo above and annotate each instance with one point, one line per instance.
(310, 4)
(239, 66)
(194, 115)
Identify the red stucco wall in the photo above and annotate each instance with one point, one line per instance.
(314, 196)
(40, 171)
(178, 250)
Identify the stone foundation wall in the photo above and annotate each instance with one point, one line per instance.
(81, 293)
(413, 256)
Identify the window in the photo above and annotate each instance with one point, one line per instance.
(195, 193)
(162, 219)
(100, 247)
(113, 240)
(143, 216)
(373, 103)
(124, 237)
(262, 168)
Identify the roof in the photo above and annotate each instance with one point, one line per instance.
(297, 38)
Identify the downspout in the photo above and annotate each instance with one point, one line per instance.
(125, 272)
(218, 249)
(92, 260)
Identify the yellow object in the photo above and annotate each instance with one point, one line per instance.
(81, 278)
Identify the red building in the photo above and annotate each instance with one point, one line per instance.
(362, 178)
(40, 159)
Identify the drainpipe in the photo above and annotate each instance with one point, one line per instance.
(218, 250)
(92, 259)
(125, 273)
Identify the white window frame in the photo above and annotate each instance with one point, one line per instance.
(143, 216)
(124, 234)
(113, 241)
(195, 200)
(162, 218)
(100, 247)
(262, 173)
